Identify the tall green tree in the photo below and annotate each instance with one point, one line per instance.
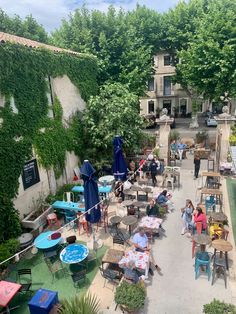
(28, 28)
(208, 65)
(119, 40)
(115, 111)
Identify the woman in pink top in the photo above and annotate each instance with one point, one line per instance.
(199, 216)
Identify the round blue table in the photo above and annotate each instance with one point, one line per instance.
(74, 253)
(43, 241)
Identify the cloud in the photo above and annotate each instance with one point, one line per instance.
(49, 13)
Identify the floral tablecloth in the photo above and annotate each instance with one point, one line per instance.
(150, 222)
(141, 259)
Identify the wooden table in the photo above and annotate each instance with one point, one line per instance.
(218, 217)
(129, 221)
(210, 174)
(216, 192)
(203, 240)
(112, 257)
(222, 246)
(115, 220)
(136, 188)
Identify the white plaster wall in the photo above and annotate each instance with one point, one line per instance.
(25, 198)
(71, 102)
(68, 96)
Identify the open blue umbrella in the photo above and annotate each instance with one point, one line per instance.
(91, 197)
(119, 165)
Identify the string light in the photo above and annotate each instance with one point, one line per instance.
(32, 246)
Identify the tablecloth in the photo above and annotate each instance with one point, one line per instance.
(150, 222)
(74, 253)
(141, 259)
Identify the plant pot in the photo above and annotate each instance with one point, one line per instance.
(35, 221)
(127, 310)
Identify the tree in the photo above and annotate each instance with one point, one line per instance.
(208, 65)
(115, 111)
(28, 28)
(118, 39)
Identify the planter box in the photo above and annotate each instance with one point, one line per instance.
(38, 222)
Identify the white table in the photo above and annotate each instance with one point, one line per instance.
(106, 179)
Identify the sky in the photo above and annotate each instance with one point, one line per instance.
(49, 13)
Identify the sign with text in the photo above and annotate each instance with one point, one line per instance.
(30, 175)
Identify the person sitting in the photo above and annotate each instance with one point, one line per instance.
(199, 216)
(131, 274)
(141, 244)
(163, 201)
(152, 209)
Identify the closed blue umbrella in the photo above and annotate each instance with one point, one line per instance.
(119, 165)
(91, 197)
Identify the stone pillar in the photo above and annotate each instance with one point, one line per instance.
(164, 133)
(224, 121)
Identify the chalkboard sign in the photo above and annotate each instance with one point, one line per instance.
(30, 174)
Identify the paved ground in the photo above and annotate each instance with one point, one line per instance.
(177, 291)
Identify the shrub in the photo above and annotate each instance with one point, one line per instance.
(218, 307)
(7, 249)
(201, 137)
(174, 135)
(87, 304)
(131, 296)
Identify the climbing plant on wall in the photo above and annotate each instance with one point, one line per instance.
(23, 84)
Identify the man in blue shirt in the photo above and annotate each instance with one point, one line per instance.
(141, 244)
(181, 147)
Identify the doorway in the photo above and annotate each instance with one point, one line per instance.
(167, 105)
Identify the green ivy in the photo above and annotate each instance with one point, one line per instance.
(23, 78)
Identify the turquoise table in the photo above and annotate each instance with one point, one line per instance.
(43, 242)
(101, 189)
(77, 207)
(74, 253)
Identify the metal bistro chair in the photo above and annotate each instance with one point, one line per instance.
(109, 275)
(78, 276)
(219, 265)
(25, 279)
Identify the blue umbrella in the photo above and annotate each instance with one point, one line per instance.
(119, 165)
(91, 196)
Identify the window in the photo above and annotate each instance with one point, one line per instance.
(167, 105)
(167, 85)
(151, 84)
(151, 106)
(167, 60)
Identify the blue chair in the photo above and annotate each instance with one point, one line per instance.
(70, 215)
(202, 259)
(210, 203)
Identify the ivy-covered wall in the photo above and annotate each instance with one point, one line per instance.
(23, 78)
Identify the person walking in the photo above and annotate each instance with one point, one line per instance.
(197, 163)
(187, 213)
(153, 169)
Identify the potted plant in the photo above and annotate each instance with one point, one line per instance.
(86, 304)
(201, 138)
(37, 218)
(130, 297)
(218, 307)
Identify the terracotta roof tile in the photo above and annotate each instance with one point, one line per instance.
(5, 37)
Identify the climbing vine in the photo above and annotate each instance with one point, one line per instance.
(24, 115)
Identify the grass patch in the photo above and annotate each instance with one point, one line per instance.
(231, 188)
(42, 278)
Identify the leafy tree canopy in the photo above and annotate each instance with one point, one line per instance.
(28, 28)
(115, 111)
(208, 65)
